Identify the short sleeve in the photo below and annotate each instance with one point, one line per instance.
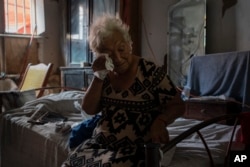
(158, 82)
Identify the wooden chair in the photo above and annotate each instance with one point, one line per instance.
(35, 78)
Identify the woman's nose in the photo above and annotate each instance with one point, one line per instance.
(115, 56)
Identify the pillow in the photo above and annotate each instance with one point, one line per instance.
(63, 103)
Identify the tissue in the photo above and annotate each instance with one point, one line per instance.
(109, 63)
(109, 67)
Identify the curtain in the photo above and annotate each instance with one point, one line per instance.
(130, 12)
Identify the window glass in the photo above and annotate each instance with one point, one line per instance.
(81, 14)
(79, 23)
(20, 16)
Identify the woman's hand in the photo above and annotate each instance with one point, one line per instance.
(159, 132)
(99, 63)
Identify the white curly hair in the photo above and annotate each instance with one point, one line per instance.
(104, 27)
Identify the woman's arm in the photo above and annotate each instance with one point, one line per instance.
(173, 109)
(91, 100)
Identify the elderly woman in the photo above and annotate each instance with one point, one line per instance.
(135, 97)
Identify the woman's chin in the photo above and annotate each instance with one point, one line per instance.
(121, 69)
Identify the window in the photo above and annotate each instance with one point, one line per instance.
(24, 16)
(80, 15)
(78, 30)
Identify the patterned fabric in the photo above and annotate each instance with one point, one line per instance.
(127, 115)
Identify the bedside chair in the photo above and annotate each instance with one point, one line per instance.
(35, 76)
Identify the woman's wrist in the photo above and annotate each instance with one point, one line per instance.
(97, 79)
(101, 74)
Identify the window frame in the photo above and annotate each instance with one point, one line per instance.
(92, 14)
(37, 19)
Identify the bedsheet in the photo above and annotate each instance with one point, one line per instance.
(191, 151)
(27, 145)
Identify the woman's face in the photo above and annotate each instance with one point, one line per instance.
(118, 50)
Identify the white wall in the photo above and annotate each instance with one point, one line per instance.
(50, 44)
(229, 33)
(155, 29)
(243, 25)
(220, 30)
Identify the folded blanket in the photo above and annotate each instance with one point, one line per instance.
(221, 74)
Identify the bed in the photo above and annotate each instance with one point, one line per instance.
(26, 144)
